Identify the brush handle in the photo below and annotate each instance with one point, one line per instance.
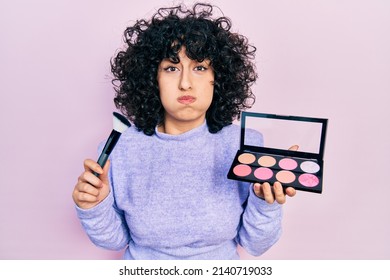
(108, 147)
(101, 161)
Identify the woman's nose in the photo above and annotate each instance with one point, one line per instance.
(185, 80)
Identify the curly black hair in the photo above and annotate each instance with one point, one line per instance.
(148, 42)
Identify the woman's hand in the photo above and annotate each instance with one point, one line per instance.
(276, 192)
(90, 190)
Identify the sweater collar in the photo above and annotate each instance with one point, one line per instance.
(193, 133)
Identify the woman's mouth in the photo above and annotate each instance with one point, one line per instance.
(186, 99)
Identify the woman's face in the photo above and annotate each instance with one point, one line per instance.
(186, 90)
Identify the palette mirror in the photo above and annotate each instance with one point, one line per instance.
(281, 132)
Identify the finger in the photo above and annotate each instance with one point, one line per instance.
(257, 190)
(104, 175)
(106, 167)
(86, 197)
(91, 165)
(294, 148)
(290, 191)
(267, 192)
(88, 177)
(87, 188)
(280, 197)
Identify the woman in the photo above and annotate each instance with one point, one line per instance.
(182, 80)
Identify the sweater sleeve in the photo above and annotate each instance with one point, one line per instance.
(105, 225)
(260, 225)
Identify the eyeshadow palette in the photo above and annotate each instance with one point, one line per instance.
(264, 156)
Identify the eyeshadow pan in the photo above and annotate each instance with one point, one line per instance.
(246, 158)
(267, 161)
(285, 176)
(288, 163)
(310, 166)
(242, 170)
(263, 173)
(308, 180)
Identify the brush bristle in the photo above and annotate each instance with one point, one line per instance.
(120, 123)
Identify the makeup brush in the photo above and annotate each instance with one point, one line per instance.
(120, 124)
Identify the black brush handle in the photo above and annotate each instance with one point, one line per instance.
(108, 147)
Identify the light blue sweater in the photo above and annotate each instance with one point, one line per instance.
(170, 199)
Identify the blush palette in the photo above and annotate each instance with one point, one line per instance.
(271, 160)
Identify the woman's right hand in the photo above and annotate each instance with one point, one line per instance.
(90, 190)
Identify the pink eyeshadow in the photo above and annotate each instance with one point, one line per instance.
(242, 170)
(288, 164)
(308, 180)
(263, 173)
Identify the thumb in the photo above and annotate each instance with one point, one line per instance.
(104, 176)
(294, 148)
(104, 190)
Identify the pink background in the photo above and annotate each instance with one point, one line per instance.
(327, 58)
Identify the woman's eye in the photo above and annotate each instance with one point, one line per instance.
(200, 68)
(170, 69)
